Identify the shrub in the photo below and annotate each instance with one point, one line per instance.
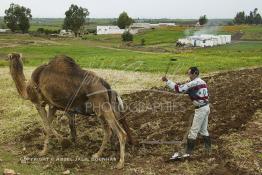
(40, 30)
(142, 41)
(127, 36)
(91, 31)
(47, 31)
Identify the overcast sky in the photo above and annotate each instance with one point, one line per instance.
(139, 8)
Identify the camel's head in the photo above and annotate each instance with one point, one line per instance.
(14, 57)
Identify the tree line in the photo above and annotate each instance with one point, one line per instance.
(253, 18)
(17, 18)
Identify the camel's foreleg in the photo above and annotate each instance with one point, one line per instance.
(51, 116)
(42, 112)
(72, 126)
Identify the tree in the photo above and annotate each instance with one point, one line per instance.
(24, 24)
(18, 18)
(203, 20)
(254, 17)
(124, 20)
(250, 18)
(240, 18)
(75, 18)
(255, 12)
(258, 19)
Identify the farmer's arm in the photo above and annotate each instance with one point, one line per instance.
(178, 88)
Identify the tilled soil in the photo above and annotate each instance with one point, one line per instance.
(161, 115)
(234, 97)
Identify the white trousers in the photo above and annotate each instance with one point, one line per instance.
(200, 122)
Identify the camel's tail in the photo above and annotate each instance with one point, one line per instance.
(17, 73)
(123, 122)
(120, 103)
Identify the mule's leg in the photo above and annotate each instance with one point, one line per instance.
(106, 138)
(72, 126)
(42, 112)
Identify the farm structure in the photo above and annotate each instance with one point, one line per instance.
(204, 40)
(141, 26)
(5, 30)
(103, 30)
(134, 28)
(150, 26)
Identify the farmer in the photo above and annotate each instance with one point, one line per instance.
(197, 91)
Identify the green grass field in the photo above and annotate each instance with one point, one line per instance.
(105, 51)
(160, 35)
(227, 57)
(209, 60)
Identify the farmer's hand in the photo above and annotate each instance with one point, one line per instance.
(164, 79)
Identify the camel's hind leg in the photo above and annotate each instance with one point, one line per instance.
(106, 138)
(121, 134)
(103, 108)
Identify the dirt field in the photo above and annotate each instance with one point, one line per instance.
(235, 125)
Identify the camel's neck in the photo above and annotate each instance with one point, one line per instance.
(17, 73)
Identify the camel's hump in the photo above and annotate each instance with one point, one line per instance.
(63, 63)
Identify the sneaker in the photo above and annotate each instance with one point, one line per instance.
(179, 155)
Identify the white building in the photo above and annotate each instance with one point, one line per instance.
(154, 25)
(227, 38)
(103, 30)
(134, 28)
(5, 30)
(205, 40)
(141, 25)
(149, 26)
(167, 24)
(114, 30)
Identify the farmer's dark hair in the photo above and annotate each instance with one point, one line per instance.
(194, 70)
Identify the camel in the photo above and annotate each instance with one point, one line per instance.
(63, 85)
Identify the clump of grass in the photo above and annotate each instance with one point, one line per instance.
(237, 147)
